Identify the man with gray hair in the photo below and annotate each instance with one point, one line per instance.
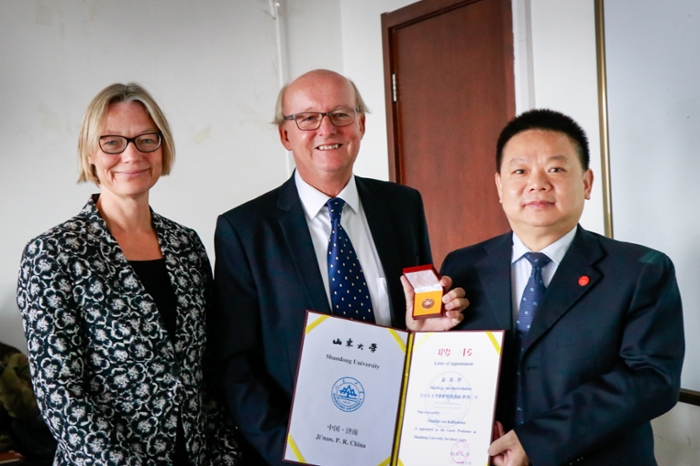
(274, 257)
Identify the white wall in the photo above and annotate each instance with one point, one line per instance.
(314, 38)
(213, 69)
(653, 90)
(555, 67)
(677, 436)
(555, 48)
(654, 138)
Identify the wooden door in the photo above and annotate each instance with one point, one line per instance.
(448, 68)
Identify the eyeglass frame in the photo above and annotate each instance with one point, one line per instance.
(322, 114)
(131, 140)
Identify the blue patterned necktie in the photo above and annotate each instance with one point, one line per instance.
(349, 292)
(532, 295)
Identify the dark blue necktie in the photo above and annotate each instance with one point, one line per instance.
(349, 292)
(532, 295)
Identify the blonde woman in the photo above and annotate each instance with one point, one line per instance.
(114, 305)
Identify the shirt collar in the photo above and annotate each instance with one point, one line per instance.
(554, 251)
(314, 200)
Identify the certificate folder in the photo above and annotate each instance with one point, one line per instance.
(371, 395)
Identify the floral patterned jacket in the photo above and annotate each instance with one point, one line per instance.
(108, 380)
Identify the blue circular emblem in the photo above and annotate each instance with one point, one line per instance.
(348, 394)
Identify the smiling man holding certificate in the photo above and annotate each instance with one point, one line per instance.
(303, 246)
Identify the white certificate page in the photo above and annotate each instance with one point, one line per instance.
(347, 393)
(450, 399)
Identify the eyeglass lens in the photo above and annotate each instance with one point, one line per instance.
(112, 144)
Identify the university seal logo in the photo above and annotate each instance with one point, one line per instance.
(348, 394)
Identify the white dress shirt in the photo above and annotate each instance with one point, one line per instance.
(355, 225)
(520, 268)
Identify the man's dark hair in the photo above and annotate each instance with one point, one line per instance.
(545, 120)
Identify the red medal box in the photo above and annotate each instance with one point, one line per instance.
(428, 292)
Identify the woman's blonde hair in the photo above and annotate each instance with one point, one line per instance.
(94, 119)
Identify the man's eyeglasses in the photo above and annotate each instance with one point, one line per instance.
(309, 121)
(147, 142)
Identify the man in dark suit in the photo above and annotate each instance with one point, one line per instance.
(272, 259)
(594, 327)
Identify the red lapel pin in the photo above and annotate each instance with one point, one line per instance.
(583, 281)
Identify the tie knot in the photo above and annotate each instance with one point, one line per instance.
(537, 259)
(335, 208)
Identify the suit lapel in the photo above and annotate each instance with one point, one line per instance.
(494, 275)
(565, 290)
(296, 233)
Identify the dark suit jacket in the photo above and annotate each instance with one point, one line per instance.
(267, 276)
(601, 359)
